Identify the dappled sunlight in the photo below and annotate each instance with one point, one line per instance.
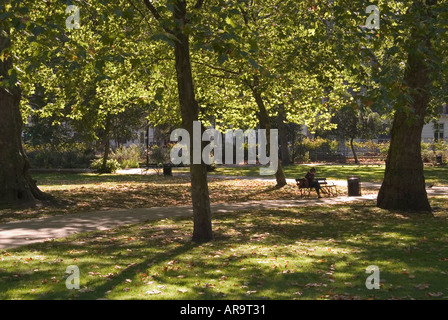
(76, 193)
(367, 173)
(291, 253)
(277, 246)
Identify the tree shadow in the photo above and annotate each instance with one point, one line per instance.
(378, 238)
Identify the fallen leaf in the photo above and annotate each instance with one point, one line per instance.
(434, 294)
(309, 285)
(154, 292)
(422, 286)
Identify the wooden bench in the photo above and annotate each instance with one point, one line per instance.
(327, 187)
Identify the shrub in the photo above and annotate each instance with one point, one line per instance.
(159, 155)
(432, 149)
(384, 149)
(371, 148)
(112, 165)
(314, 149)
(127, 157)
(59, 157)
(428, 154)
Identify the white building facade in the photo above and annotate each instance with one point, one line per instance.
(438, 130)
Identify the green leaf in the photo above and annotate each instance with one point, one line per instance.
(230, 21)
(5, 15)
(135, 62)
(38, 30)
(223, 58)
(164, 36)
(254, 63)
(393, 50)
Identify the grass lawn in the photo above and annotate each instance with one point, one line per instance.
(368, 173)
(295, 253)
(92, 192)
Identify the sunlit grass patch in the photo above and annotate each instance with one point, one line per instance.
(93, 192)
(367, 173)
(294, 253)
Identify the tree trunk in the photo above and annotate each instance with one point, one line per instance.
(403, 187)
(283, 136)
(106, 145)
(147, 145)
(202, 230)
(293, 151)
(354, 151)
(16, 185)
(265, 124)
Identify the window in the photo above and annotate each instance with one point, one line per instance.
(438, 131)
(444, 109)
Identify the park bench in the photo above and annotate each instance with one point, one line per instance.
(326, 187)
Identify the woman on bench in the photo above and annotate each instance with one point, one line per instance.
(313, 183)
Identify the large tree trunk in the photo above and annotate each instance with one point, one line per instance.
(202, 230)
(266, 124)
(403, 187)
(16, 185)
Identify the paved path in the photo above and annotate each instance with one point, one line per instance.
(19, 233)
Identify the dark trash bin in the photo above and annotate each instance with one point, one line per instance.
(354, 186)
(167, 170)
(439, 159)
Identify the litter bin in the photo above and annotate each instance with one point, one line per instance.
(439, 159)
(167, 170)
(354, 186)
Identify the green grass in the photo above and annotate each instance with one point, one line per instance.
(83, 192)
(368, 173)
(295, 253)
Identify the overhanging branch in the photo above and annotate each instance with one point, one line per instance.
(153, 9)
(217, 68)
(199, 4)
(156, 15)
(139, 11)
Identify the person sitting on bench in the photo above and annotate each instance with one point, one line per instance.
(313, 183)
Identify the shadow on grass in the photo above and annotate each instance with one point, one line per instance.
(248, 196)
(305, 253)
(86, 178)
